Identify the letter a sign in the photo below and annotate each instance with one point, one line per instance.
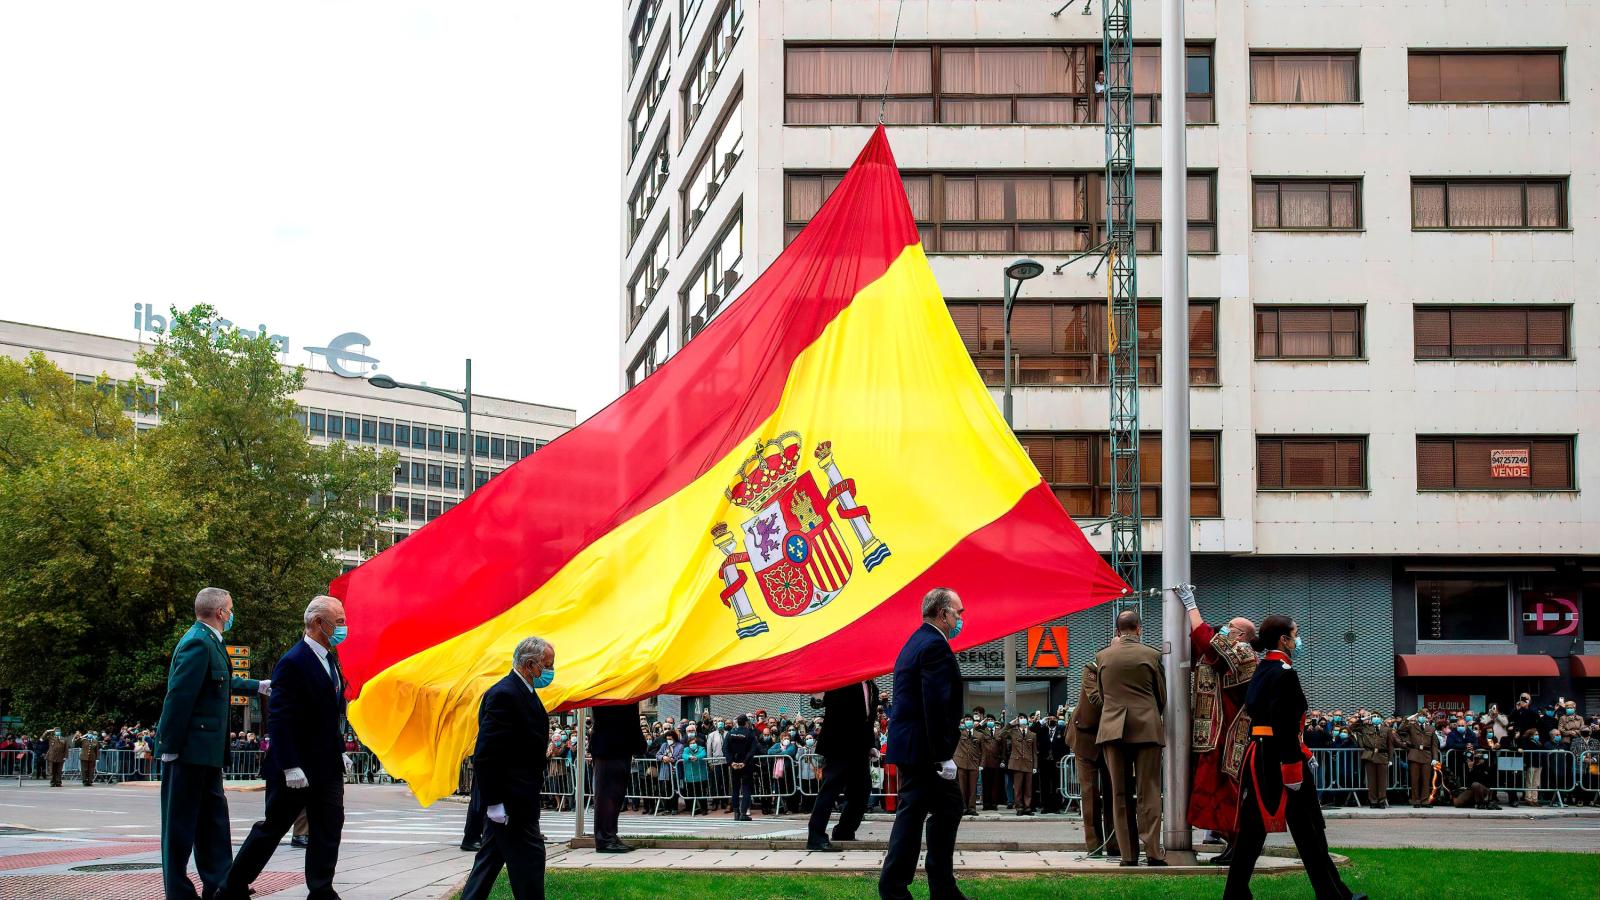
(1047, 646)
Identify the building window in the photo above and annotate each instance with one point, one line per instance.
(352, 429)
(369, 431)
(452, 477)
(452, 442)
(1311, 463)
(1495, 76)
(650, 357)
(644, 110)
(711, 170)
(386, 433)
(1494, 463)
(688, 11)
(402, 434)
(435, 475)
(1463, 610)
(1286, 77)
(1476, 204)
(711, 60)
(967, 212)
(433, 510)
(1311, 205)
(647, 280)
(1077, 467)
(497, 448)
(1028, 84)
(1308, 332)
(711, 284)
(1491, 332)
(651, 181)
(319, 423)
(644, 23)
(1064, 342)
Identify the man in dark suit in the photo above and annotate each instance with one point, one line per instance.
(513, 735)
(740, 747)
(924, 728)
(845, 745)
(304, 764)
(615, 742)
(1133, 690)
(192, 740)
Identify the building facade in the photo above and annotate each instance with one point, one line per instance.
(1395, 317)
(425, 431)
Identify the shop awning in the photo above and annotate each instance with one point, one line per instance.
(1480, 665)
(1585, 666)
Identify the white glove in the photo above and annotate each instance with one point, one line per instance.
(295, 778)
(1186, 595)
(169, 757)
(264, 688)
(947, 770)
(497, 813)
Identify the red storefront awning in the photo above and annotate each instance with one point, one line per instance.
(1481, 665)
(1585, 666)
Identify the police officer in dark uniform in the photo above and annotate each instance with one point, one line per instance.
(1276, 788)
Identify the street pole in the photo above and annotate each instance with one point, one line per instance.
(1009, 644)
(1175, 425)
(471, 448)
(577, 788)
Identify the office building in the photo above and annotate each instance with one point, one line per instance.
(1394, 327)
(426, 431)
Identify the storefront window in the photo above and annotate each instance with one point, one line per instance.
(1463, 610)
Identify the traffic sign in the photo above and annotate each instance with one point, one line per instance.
(239, 701)
(240, 665)
(235, 651)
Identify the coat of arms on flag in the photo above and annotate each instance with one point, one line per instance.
(791, 541)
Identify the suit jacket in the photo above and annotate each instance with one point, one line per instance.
(616, 732)
(925, 720)
(1134, 691)
(847, 723)
(194, 716)
(303, 719)
(509, 759)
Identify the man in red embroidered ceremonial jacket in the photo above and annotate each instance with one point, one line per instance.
(1223, 665)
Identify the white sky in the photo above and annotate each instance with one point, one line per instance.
(443, 177)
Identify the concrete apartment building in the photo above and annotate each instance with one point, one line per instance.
(1394, 272)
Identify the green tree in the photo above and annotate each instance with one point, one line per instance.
(106, 536)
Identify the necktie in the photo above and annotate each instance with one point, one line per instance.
(333, 671)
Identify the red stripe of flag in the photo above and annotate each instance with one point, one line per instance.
(509, 537)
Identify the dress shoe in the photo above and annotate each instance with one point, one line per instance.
(472, 846)
(301, 842)
(1155, 862)
(1225, 858)
(840, 838)
(823, 847)
(1129, 862)
(613, 847)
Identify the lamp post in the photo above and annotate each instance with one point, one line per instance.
(461, 398)
(1018, 271)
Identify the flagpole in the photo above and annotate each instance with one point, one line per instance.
(577, 787)
(1175, 426)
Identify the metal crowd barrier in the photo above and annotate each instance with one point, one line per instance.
(1071, 791)
(242, 765)
(701, 781)
(776, 778)
(17, 764)
(1531, 773)
(1589, 771)
(650, 780)
(1339, 771)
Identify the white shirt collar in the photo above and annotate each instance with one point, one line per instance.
(523, 680)
(318, 649)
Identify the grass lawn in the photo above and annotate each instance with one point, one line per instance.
(1385, 874)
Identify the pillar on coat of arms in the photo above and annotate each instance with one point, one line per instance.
(873, 550)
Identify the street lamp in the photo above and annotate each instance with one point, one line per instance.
(1018, 271)
(461, 398)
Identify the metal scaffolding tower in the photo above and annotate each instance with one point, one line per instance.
(1123, 296)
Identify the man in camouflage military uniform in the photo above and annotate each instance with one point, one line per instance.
(1022, 760)
(88, 756)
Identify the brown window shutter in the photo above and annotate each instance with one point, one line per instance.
(1203, 459)
(1423, 69)
(1350, 466)
(1266, 333)
(1547, 332)
(1550, 463)
(1307, 464)
(1480, 332)
(1269, 463)
(1472, 463)
(1431, 327)
(965, 315)
(1203, 329)
(1030, 329)
(1435, 464)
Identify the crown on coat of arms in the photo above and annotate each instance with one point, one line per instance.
(772, 467)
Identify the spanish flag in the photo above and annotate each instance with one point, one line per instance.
(764, 513)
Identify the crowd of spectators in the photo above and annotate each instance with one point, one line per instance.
(1471, 743)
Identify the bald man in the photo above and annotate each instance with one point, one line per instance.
(1223, 666)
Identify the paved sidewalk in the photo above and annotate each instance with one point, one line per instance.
(967, 862)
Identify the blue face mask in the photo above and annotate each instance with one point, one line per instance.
(954, 632)
(1557, 739)
(340, 632)
(1298, 643)
(228, 624)
(1376, 721)
(1223, 631)
(543, 679)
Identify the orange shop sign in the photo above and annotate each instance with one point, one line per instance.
(1508, 463)
(1047, 646)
